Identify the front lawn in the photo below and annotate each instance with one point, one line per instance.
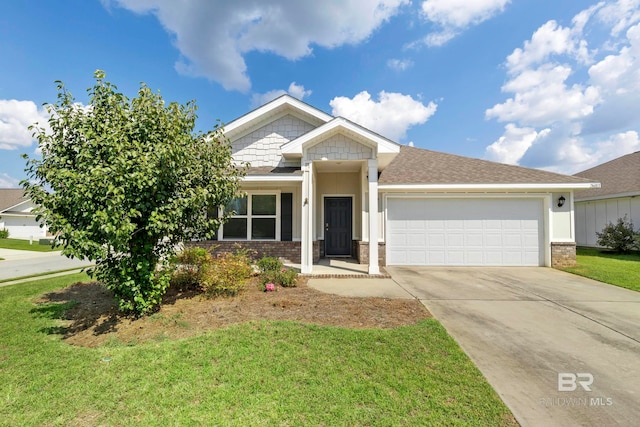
(254, 373)
(617, 269)
(24, 245)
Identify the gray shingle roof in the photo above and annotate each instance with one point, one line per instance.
(271, 170)
(10, 197)
(618, 176)
(419, 166)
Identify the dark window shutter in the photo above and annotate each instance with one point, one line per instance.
(286, 216)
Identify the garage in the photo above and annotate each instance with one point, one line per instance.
(22, 227)
(473, 232)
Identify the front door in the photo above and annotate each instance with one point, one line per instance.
(337, 226)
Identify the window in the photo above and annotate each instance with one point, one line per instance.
(255, 218)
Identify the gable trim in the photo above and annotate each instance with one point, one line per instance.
(382, 145)
(283, 103)
(11, 208)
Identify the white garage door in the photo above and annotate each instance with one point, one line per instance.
(465, 232)
(23, 228)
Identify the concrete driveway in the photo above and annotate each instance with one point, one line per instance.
(26, 263)
(526, 327)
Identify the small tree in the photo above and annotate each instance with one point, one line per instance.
(621, 236)
(122, 182)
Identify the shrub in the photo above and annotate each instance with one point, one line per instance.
(272, 271)
(288, 278)
(4, 233)
(226, 275)
(620, 237)
(188, 267)
(269, 264)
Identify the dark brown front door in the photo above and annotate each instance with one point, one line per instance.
(337, 226)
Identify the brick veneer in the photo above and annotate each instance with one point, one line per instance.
(563, 254)
(290, 251)
(362, 253)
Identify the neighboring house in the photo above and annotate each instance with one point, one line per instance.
(617, 197)
(16, 216)
(323, 186)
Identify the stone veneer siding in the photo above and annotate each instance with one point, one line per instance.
(362, 253)
(563, 254)
(291, 251)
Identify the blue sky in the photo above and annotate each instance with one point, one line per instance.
(541, 83)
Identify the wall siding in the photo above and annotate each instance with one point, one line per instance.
(262, 146)
(339, 147)
(592, 216)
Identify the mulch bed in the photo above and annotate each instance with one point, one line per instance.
(95, 319)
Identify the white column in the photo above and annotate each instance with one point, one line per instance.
(373, 217)
(307, 219)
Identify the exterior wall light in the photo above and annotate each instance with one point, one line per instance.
(561, 201)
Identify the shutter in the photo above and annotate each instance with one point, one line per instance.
(286, 216)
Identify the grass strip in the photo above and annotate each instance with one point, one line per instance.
(616, 269)
(23, 245)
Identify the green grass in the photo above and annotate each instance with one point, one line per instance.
(34, 276)
(253, 374)
(24, 245)
(617, 269)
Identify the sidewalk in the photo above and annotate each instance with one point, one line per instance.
(32, 279)
(14, 254)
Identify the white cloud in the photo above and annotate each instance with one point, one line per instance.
(399, 64)
(454, 16)
(15, 119)
(460, 13)
(391, 116)
(620, 15)
(512, 145)
(214, 36)
(7, 181)
(542, 97)
(295, 90)
(620, 73)
(548, 40)
(573, 103)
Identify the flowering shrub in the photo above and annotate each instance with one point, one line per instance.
(272, 271)
(270, 287)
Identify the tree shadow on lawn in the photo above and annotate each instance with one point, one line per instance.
(90, 306)
(80, 306)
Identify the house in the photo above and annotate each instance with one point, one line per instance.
(16, 216)
(323, 186)
(617, 197)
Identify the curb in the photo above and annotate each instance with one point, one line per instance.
(47, 276)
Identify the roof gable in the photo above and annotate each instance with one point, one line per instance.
(11, 197)
(417, 166)
(384, 148)
(273, 110)
(619, 177)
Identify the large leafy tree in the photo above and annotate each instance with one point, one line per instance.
(123, 181)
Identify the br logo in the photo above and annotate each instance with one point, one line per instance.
(569, 382)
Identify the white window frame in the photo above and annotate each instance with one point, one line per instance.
(249, 216)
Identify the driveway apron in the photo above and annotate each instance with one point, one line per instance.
(560, 350)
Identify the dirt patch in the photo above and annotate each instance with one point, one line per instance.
(93, 318)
